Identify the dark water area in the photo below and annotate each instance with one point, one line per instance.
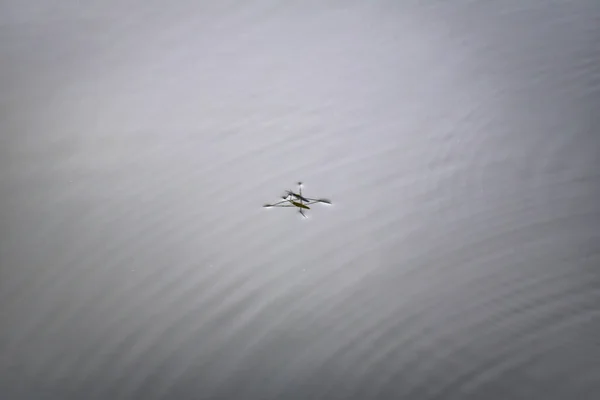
(458, 140)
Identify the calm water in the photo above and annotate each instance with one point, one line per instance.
(458, 141)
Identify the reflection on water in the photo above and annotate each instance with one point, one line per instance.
(458, 141)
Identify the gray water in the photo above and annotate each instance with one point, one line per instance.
(458, 141)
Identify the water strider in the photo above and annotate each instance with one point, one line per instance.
(293, 199)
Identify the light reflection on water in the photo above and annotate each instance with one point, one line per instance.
(457, 141)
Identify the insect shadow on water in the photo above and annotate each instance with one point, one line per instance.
(297, 200)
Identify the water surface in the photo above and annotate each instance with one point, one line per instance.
(458, 141)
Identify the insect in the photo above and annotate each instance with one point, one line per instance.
(293, 199)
